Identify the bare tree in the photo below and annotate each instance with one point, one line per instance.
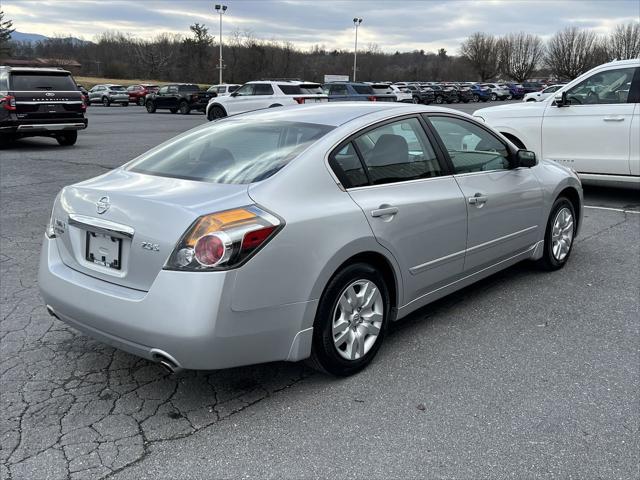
(520, 54)
(572, 51)
(624, 41)
(481, 51)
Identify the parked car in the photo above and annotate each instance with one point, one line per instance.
(138, 93)
(498, 92)
(591, 124)
(516, 90)
(265, 252)
(464, 93)
(223, 89)
(109, 93)
(480, 93)
(177, 97)
(354, 91)
(402, 94)
(532, 87)
(420, 94)
(387, 89)
(543, 94)
(444, 95)
(40, 102)
(261, 94)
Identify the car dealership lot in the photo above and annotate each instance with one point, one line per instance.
(525, 374)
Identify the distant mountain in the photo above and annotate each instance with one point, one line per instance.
(36, 37)
(27, 37)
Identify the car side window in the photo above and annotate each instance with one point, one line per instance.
(471, 148)
(338, 90)
(245, 90)
(397, 152)
(163, 90)
(611, 86)
(221, 89)
(173, 89)
(263, 89)
(347, 166)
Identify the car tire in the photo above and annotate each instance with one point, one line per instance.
(439, 100)
(509, 97)
(150, 106)
(559, 235)
(105, 101)
(216, 112)
(7, 139)
(141, 101)
(359, 334)
(415, 99)
(173, 110)
(494, 97)
(67, 139)
(184, 108)
(125, 104)
(476, 98)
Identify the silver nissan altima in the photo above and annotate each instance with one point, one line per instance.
(298, 233)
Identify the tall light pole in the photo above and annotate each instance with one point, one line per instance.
(220, 9)
(356, 22)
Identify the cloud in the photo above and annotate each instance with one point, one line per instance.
(390, 24)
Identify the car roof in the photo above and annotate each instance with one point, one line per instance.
(335, 113)
(35, 69)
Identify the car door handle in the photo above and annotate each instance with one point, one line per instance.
(612, 118)
(478, 199)
(384, 210)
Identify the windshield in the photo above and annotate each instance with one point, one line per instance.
(37, 81)
(232, 151)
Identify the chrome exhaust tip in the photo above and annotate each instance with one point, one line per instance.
(52, 312)
(166, 361)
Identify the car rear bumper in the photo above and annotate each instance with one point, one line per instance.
(28, 126)
(186, 317)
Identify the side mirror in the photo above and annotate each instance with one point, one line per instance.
(526, 159)
(234, 94)
(560, 99)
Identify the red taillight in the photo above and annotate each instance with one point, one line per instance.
(300, 100)
(209, 250)
(254, 239)
(84, 102)
(372, 98)
(8, 103)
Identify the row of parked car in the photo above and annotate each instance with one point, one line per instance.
(186, 97)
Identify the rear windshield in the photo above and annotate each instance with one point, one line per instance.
(290, 89)
(38, 81)
(232, 151)
(117, 88)
(363, 89)
(188, 88)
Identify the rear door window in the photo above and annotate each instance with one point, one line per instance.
(397, 152)
(35, 81)
(347, 166)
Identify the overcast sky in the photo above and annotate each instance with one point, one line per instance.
(392, 24)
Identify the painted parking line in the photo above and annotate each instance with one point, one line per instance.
(612, 209)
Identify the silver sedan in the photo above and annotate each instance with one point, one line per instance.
(298, 233)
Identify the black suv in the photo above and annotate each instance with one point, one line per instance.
(40, 102)
(178, 97)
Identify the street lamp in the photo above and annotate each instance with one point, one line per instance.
(356, 22)
(220, 9)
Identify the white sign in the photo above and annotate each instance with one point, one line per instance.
(336, 78)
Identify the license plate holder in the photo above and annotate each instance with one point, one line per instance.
(104, 250)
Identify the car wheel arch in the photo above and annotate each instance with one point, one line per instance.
(381, 262)
(573, 196)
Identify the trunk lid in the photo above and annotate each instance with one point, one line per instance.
(143, 218)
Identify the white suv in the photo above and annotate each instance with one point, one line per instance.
(541, 95)
(592, 124)
(498, 92)
(261, 94)
(223, 89)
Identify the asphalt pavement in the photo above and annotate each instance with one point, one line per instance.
(523, 375)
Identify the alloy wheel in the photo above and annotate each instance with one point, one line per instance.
(562, 234)
(357, 319)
